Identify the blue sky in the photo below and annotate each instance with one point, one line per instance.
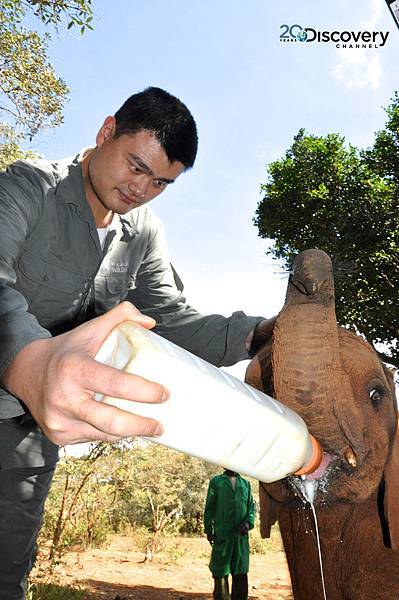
(249, 92)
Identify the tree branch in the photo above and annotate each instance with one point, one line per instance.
(387, 359)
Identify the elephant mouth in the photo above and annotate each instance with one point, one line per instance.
(321, 469)
(310, 485)
(332, 466)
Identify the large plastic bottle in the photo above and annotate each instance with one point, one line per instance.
(210, 414)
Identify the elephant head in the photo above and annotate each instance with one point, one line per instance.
(335, 381)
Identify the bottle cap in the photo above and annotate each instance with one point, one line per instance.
(314, 461)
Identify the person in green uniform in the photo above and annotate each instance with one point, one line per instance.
(229, 515)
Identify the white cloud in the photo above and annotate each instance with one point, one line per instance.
(359, 68)
(259, 290)
(376, 12)
(356, 71)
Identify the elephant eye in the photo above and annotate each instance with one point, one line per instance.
(376, 395)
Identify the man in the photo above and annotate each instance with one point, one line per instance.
(76, 240)
(229, 515)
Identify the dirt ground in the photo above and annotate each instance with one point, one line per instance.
(118, 573)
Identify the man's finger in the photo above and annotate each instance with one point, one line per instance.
(80, 433)
(118, 384)
(93, 333)
(125, 311)
(113, 421)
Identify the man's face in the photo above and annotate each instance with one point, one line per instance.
(127, 171)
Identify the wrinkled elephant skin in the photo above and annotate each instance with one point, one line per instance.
(335, 381)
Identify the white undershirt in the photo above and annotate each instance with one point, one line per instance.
(102, 234)
(233, 481)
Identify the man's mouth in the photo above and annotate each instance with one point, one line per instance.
(129, 200)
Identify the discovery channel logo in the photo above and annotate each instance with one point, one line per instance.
(341, 39)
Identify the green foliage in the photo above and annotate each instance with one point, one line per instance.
(325, 195)
(31, 93)
(80, 498)
(161, 490)
(263, 546)
(68, 13)
(10, 151)
(84, 521)
(71, 13)
(170, 546)
(146, 491)
(32, 96)
(50, 591)
(134, 485)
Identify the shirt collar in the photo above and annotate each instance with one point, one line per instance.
(70, 187)
(70, 190)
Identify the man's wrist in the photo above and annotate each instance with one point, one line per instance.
(255, 341)
(25, 368)
(261, 334)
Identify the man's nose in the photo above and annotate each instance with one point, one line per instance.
(139, 186)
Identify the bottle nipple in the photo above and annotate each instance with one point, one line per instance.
(314, 462)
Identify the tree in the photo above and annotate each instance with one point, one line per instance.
(325, 195)
(32, 96)
(167, 490)
(10, 151)
(75, 477)
(130, 484)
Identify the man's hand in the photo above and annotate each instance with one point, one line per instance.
(260, 335)
(56, 378)
(243, 528)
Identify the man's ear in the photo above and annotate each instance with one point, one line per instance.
(106, 132)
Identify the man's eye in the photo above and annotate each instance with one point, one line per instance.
(159, 183)
(134, 168)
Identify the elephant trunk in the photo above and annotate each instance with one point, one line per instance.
(308, 375)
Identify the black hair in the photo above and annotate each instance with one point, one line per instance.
(167, 117)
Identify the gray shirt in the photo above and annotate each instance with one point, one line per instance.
(54, 274)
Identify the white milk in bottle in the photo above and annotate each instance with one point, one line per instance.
(211, 414)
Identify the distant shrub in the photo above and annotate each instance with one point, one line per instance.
(50, 591)
(263, 546)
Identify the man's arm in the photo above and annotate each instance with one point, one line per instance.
(250, 518)
(209, 512)
(260, 335)
(159, 293)
(56, 378)
(21, 198)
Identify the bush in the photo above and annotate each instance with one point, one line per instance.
(50, 591)
(263, 546)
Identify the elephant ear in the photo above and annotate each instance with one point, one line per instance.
(259, 375)
(259, 370)
(391, 475)
(391, 496)
(268, 511)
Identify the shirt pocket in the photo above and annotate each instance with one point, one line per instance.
(116, 285)
(110, 290)
(54, 294)
(31, 275)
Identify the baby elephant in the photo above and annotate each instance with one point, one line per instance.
(335, 381)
